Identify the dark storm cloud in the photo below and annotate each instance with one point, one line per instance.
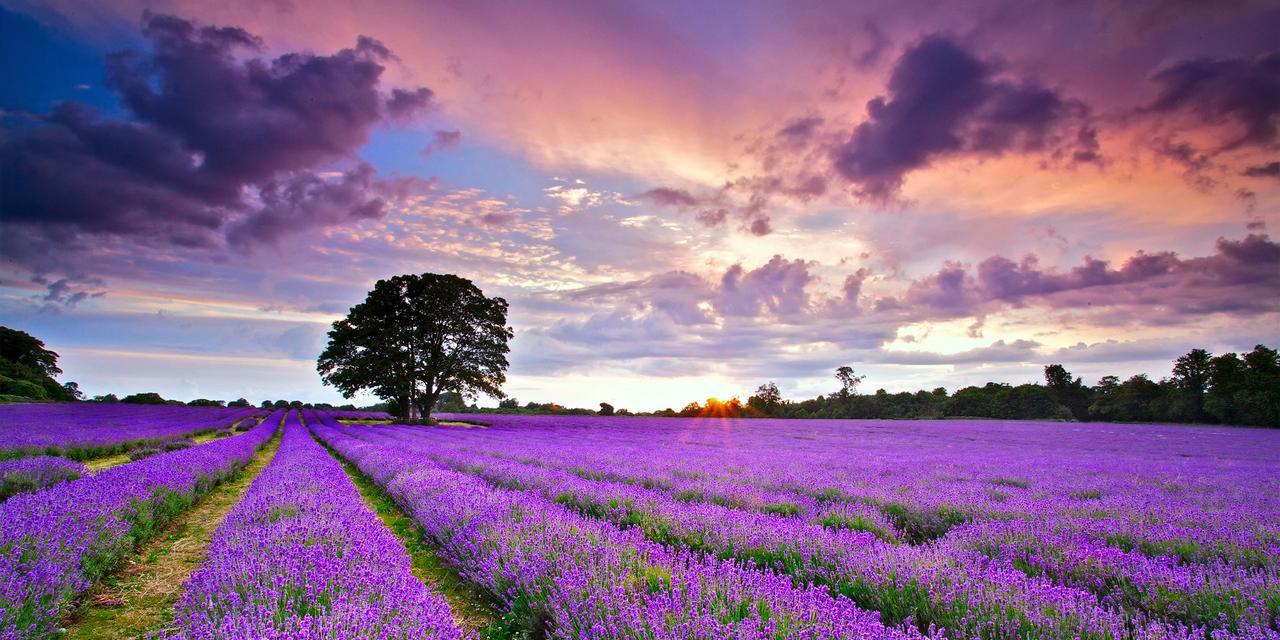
(942, 100)
(1241, 276)
(1268, 170)
(305, 199)
(1242, 93)
(219, 142)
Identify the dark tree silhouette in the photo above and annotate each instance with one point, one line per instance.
(27, 350)
(417, 336)
(1069, 391)
(848, 381)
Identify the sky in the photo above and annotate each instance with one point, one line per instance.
(678, 200)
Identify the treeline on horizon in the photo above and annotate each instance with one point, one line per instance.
(1236, 389)
(1202, 388)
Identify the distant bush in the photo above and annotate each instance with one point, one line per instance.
(174, 445)
(149, 397)
(23, 388)
(143, 452)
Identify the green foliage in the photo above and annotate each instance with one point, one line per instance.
(1069, 391)
(26, 350)
(23, 359)
(767, 399)
(22, 388)
(1226, 389)
(416, 337)
(149, 397)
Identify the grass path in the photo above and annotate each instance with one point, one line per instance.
(472, 609)
(106, 462)
(139, 598)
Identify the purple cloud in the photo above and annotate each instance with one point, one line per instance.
(1240, 92)
(220, 145)
(1268, 170)
(943, 100)
(1241, 276)
(443, 140)
(668, 197)
(777, 288)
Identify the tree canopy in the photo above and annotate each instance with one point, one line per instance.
(25, 349)
(27, 369)
(417, 336)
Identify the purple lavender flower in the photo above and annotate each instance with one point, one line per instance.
(56, 542)
(82, 430)
(302, 556)
(31, 474)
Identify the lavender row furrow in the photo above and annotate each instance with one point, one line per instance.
(82, 430)
(1151, 543)
(56, 542)
(25, 475)
(1213, 594)
(921, 585)
(577, 577)
(1151, 505)
(301, 555)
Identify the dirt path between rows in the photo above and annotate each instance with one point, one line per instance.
(139, 598)
(472, 610)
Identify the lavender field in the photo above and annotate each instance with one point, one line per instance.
(596, 527)
(83, 431)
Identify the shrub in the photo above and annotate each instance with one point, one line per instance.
(143, 452)
(24, 388)
(149, 397)
(174, 445)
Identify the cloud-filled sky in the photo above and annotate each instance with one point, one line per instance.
(678, 200)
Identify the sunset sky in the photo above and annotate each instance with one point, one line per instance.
(679, 200)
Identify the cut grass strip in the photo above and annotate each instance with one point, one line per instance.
(116, 459)
(139, 598)
(472, 609)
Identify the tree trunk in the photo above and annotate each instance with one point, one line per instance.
(429, 400)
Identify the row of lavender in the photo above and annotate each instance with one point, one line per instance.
(904, 584)
(302, 556)
(1083, 529)
(55, 543)
(1215, 487)
(85, 430)
(570, 576)
(31, 474)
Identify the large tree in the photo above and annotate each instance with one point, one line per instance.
(416, 337)
(1068, 390)
(848, 381)
(27, 368)
(27, 350)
